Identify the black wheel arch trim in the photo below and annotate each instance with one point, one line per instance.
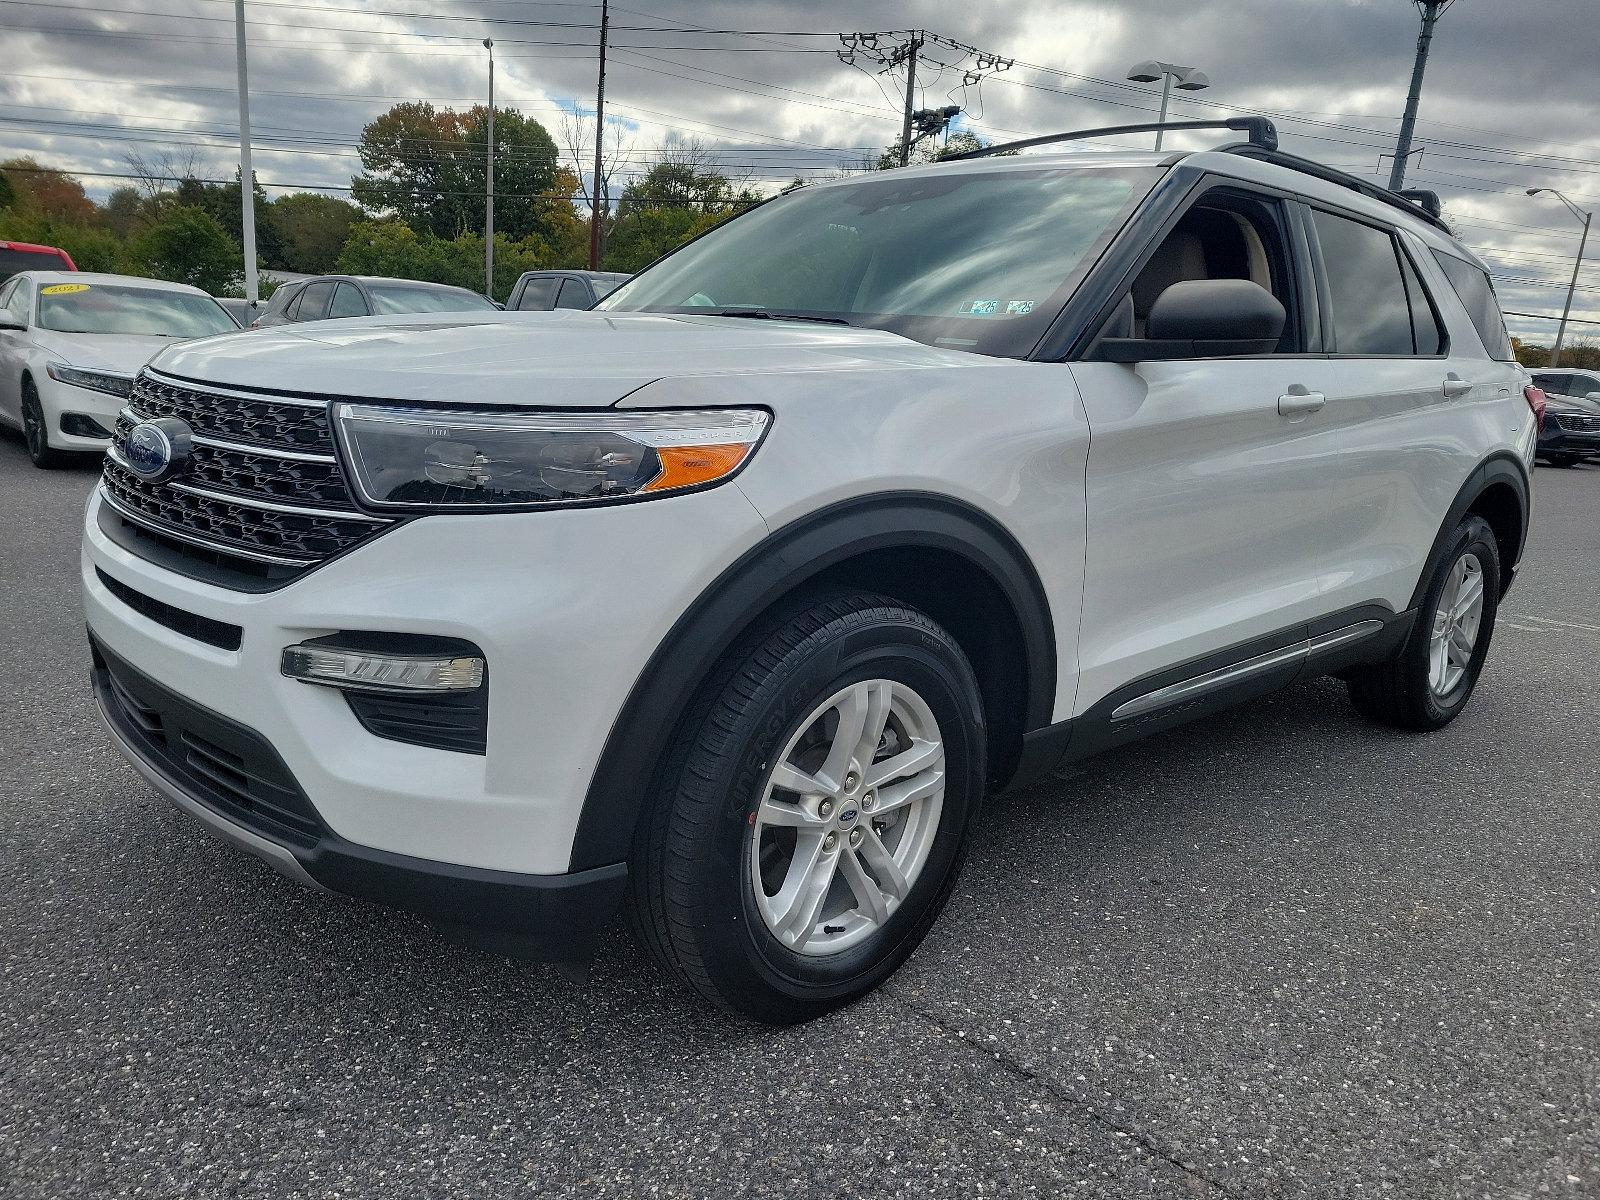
(782, 562)
(1500, 467)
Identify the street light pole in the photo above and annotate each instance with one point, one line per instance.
(596, 216)
(488, 170)
(1583, 241)
(247, 174)
(1188, 79)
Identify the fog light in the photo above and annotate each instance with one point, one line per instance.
(382, 672)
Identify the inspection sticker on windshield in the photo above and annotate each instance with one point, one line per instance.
(63, 289)
(979, 308)
(1018, 307)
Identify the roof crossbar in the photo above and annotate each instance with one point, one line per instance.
(1263, 134)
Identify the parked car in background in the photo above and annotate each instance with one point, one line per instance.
(71, 343)
(25, 256)
(241, 310)
(1570, 430)
(544, 290)
(332, 296)
(733, 598)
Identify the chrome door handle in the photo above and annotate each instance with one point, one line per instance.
(1455, 386)
(1298, 400)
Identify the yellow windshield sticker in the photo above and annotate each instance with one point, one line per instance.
(63, 289)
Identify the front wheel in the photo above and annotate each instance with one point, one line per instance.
(35, 432)
(1431, 677)
(818, 811)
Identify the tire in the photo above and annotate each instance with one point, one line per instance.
(34, 430)
(717, 859)
(1413, 690)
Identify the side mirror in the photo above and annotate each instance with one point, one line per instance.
(10, 322)
(1594, 396)
(1204, 318)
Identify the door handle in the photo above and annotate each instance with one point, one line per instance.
(1298, 400)
(1455, 386)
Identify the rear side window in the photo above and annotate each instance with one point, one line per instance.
(1427, 336)
(347, 302)
(572, 295)
(540, 293)
(1477, 296)
(13, 260)
(1367, 287)
(313, 302)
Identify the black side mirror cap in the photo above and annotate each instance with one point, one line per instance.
(1204, 318)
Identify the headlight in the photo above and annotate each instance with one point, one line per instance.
(96, 381)
(450, 459)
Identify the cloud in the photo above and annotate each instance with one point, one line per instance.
(1507, 104)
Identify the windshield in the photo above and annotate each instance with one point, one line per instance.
(103, 308)
(974, 260)
(390, 298)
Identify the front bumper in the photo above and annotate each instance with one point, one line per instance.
(567, 607)
(61, 402)
(1567, 441)
(185, 753)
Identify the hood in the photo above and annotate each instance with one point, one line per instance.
(1571, 404)
(121, 352)
(564, 358)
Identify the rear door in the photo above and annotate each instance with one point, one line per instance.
(312, 305)
(1411, 410)
(574, 293)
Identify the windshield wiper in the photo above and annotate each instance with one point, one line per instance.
(766, 314)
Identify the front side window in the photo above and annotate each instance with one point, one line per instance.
(20, 300)
(1371, 312)
(978, 260)
(393, 299)
(347, 302)
(1477, 296)
(117, 308)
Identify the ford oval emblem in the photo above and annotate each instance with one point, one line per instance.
(157, 450)
(848, 816)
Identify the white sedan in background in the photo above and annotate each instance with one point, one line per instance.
(71, 343)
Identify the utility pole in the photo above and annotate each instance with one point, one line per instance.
(1431, 11)
(247, 175)
(488, 171)
(599, 140)
(912, 47)
(1583, 242)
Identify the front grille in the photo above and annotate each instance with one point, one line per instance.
(262, 485)
(204, 629)
(1577, 422)
(217, 762)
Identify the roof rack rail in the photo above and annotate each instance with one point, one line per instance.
(1419, 203)
(1263, 135)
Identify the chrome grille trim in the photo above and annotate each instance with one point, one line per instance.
(249, 501)
(237, 393)
(243, 448)
(181, 535)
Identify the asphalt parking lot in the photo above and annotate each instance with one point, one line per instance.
(1279, 952)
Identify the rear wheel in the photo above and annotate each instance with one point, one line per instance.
(818, 811)
(1431, 677)
(35, 432)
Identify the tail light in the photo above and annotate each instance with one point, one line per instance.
(1535, 398)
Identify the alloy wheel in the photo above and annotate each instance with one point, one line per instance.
(1457, 622)
(847, 817)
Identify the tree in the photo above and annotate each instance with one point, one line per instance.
(123, 211)
(91, 249)
(310, 230)
(8, 194)
(394, 250)
(426, 166)
(577, 139)
(680, 197)
(928, 150)
(187, 245)
(48, 193)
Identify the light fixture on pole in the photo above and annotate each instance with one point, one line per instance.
(1187, 79)
(488, 171)
(1566, 311)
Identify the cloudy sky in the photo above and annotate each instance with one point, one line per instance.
(1511, 99)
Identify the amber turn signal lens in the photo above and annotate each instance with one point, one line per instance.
(686, 466)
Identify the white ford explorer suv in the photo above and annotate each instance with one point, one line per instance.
(730, 600)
